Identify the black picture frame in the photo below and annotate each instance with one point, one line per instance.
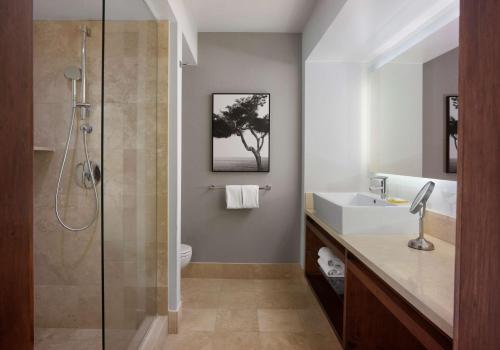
(451, 136)
(224, 165)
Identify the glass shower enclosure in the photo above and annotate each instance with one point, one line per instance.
(100, 125)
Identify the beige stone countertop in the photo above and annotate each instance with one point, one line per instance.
(425, 279)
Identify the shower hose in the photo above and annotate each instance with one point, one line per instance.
(61, 172)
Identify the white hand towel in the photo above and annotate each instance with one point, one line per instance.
(234, 197)
(250, 196)
(330, 271)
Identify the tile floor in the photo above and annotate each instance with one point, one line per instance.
(251, 314)
(67, 339)
(83, 339)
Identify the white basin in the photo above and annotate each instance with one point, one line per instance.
(363, 213)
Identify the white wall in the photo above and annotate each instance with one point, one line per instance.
(335, 127)
(396, 119)
(321, 19)
(189, 30)
(176, 11)
(174, 165)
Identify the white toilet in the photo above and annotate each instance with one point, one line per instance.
(185, 255)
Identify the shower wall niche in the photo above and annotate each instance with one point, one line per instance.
(109, 279)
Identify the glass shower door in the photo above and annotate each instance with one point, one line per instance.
(130, 118)
(99, 90)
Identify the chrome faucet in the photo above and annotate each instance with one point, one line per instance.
(382, 187)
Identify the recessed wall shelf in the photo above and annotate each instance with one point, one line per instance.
(43, 149)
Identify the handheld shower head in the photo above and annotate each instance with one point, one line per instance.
(73, 73)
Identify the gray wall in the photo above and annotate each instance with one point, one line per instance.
(243, 62)
(440, 79)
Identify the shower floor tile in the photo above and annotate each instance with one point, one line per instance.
(67, 339)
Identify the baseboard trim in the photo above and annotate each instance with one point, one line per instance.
(174, 320)
(242, 271)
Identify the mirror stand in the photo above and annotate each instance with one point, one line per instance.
(421, 243)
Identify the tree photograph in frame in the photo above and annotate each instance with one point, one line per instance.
(241, 132)
(451, 133)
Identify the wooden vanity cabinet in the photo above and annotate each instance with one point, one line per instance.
(370, 314)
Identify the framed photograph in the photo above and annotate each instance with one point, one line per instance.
(451, 133)
(241, 132)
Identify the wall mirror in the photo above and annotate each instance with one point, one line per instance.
(413, 108)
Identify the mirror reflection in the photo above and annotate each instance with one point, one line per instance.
(414, 109)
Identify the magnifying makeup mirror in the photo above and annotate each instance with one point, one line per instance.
(418, 206)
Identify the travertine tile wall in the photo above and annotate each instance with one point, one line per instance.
(68, 265)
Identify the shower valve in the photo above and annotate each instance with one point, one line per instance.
(86, 128)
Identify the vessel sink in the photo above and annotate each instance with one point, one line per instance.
(363, 213)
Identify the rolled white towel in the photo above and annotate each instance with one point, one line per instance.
(327, 255)
(330, 271)
(325, 252)
(333, 262)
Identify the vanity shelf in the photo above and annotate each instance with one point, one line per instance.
(328, 295)
(336, 283)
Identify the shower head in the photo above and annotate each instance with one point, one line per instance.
(73, 73)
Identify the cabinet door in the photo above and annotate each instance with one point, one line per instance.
(378, 318)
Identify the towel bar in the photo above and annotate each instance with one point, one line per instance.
(214, 187)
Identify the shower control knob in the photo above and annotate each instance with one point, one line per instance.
(86, 128)
(84, 174)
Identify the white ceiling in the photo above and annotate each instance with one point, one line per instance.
(436, 44)
(281, 16)
(366, 30)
